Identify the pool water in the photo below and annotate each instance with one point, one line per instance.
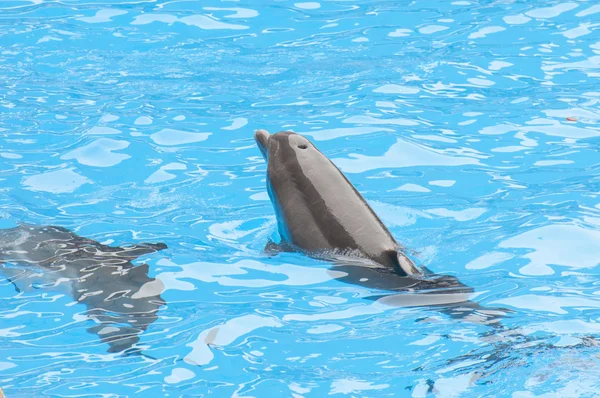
(471, 127)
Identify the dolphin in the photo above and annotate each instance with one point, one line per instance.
(319, 210)
(320, 213)
(119, 296)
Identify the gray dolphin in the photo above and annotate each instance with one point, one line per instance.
(319, 210)
(320, 213)
(119, 296)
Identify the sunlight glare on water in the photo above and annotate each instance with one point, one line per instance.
(471, 127)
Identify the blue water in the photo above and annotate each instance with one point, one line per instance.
(131, 121)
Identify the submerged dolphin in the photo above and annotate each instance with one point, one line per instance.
(320, 213)
(119, 296)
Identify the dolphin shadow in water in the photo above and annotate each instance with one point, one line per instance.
(119, 296)
(320, 213)
(444, 292)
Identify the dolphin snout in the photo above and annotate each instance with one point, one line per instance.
(262, 139)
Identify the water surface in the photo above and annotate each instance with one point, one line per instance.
(472, 127)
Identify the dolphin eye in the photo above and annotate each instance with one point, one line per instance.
(302, 146)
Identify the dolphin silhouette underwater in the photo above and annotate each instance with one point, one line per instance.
(321, 214)
(119, 296)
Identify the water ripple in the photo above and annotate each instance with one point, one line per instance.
(471, 127)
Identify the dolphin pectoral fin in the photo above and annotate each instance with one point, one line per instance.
(274, 248)
(404, 265)
(138, 274)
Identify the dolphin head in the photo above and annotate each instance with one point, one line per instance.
(283, 145)
(262, 141)
(289, 157)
